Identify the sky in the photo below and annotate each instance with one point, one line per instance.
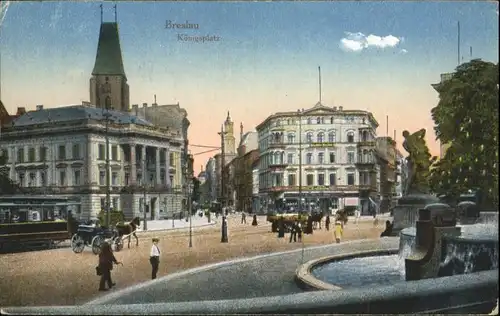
(376, 56)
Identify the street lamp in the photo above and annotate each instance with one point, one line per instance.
(190, 191)
(299, 112)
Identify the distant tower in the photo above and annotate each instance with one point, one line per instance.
(229, 141)
(108, 84)
(241, 131)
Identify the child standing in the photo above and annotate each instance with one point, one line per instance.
(338, 231)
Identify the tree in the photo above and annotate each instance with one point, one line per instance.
(466, 118)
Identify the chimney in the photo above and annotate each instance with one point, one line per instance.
(39, 107)
(144, 105)
(21, 110)
(341, 108)
(241, 131)
(155, 104)
(335, 108)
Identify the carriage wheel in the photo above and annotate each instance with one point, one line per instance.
(118, 242)
(77, 243)
(96, 244)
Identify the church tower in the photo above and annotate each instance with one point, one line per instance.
(108, 84)
(229, 141)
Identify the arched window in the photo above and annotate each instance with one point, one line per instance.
(350, 156)
(277, 158)
(309, 137)
(321, 137)
(350, 137)
(331, 120)
(318, 120)
(107, 103)
(364, 136)
(366, 157)
(332, 137)
(309, 158)
(291, 138)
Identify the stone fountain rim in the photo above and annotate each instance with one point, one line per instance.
(305, 278)
(459, 239)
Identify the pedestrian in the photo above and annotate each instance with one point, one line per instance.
(243, 218)
(154, 258)
(327, 222)
(293, 232)
(339, 230)
(299, 230)
(106, 260)
(357, 215)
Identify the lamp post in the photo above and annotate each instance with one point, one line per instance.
(299, 112)
(222, 133)
(190, 191)
(107, 115)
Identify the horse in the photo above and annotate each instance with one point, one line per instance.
(316, 218)
(129, 229)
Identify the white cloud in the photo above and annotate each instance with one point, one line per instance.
(403, 51)
(355, 42)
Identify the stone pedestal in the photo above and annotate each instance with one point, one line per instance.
(435, 221)
(405, 214)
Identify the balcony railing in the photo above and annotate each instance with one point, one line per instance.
(278, 144)
(307, 188)
(365, 161)
(367, 143)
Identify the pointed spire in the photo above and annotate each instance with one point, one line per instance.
(228, 119)
(108, 59)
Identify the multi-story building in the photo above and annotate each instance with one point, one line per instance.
(400, 174)
(329, 151)
(256, 205)
(248, 153)
(63, 150)
(386, 154)
(211, 180)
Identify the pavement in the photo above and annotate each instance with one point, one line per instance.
(168, 224)
(261, 276)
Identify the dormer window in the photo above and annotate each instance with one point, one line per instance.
(318, 120)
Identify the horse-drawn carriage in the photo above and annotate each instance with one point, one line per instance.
(91, 234)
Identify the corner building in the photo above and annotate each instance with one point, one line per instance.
(338, 168)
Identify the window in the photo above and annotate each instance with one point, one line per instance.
(335, 203)
(321, 137)
(318, 120)
(321, 158)
(350, 157)
(310, 179)
(333, 179)
(114, 178)
(103, 203)
(127, 178)
(350, 178)
(102, 177)
(115, 203)
(332, 157)
(62, 152)
(43, 179)
(350, 137)
(331, 137)
(331, 120)
(309, 121)
(141, 205)
(291, 180)
(20, 155)
(309, 137)
(76, 152)
(278, 122)
(291, 138)
(32, 178)
(102, 152)
(309, 158)
(290, 159)
(77, 177)
(139, 178)
(321, 179)
(171, 160)
(21, 178)
(62, 177)
(31, 155)
(5, 154)
(114, 153)
(43, 153)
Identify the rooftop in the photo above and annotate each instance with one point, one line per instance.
(108, 59)
(76, 112)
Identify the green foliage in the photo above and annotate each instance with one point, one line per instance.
(115, 217)
(466, 117)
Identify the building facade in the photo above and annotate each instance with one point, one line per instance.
(62, 151)
(211, 180)
(328, 150)
(387, 159)
(248, 153)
